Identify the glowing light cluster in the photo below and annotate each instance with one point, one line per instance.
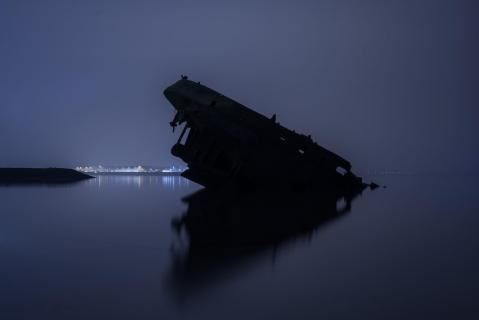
(134, 169)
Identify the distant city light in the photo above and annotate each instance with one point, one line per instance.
(134, 169)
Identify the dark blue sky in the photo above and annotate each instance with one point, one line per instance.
(388, 84)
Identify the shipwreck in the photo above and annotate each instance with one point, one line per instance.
(225, 142)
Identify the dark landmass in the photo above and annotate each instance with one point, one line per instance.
(40, 175)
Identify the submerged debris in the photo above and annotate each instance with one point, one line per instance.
(373, 186)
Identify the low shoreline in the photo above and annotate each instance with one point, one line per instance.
(41, 175)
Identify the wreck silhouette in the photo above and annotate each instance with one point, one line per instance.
(223, 141)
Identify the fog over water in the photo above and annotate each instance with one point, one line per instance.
(389, 85)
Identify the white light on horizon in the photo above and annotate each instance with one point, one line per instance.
(135, 169)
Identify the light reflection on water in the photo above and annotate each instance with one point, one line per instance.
(171, 182)
(103, 249)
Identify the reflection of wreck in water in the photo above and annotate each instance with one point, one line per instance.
(226, 229)
(224, 141)
(265, 184)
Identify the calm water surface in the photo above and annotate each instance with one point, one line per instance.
(106, 248)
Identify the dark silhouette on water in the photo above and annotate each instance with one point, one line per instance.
(223, 141)
(226, 227)
(40, 175)
(265, 184)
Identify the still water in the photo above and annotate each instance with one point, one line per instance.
(106, 249)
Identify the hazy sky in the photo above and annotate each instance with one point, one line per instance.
(387, 84)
